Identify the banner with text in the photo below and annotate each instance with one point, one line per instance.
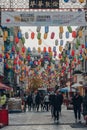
(44, 18)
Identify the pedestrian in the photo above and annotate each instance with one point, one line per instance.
(46, 101)
(85, 106)
(29, 101)
(57, 105)
(37, 101)
(61, 101)
(77, 106)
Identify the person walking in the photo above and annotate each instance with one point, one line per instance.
(77, 104)
(85, 106)
(29, 101)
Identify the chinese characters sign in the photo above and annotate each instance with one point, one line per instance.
(44, 4)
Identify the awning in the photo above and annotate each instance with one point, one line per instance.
(5, 87)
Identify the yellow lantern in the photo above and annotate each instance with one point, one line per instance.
(4, 38)
(81, 1)
(61, 29)
(85, 50)
(83, 55)
(40, 41)
(39, 49)
(51, 53)
(45, 35)
(3, 48)
(80, 33)
(5, 34)
(60, 48)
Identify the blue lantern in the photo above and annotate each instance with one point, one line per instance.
(85, 44)
(54, 49)
(19, 34)
(29, 49)
(66, 0)
(46, 29)
(67, 34)
(61, 42)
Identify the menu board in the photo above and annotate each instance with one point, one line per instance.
(44, 4)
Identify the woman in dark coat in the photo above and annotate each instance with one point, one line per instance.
(85, 106)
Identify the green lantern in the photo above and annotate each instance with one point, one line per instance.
(78, 42)
(23, 40)
(69, 29)
(39, 35)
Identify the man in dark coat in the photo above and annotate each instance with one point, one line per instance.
(77, 104)
(85, 106)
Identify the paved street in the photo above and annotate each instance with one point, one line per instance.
(43, 121)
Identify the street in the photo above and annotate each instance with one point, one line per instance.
(43, 121)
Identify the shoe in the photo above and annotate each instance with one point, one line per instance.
(75, 120)
(79, 121)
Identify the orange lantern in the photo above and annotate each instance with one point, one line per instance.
(44, 49)
(49, 49)
(61, 29)
(45, 35)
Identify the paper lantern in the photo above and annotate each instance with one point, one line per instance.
(19, 35)
(23, 40)
(60, 35)
(73, 1)
(26, 35)
(81, 1)
(44, 49)
(61, 29)
(66, 0)
(54, 49)
(23, 49)
(38, 29)
(16, 40)
(74, 34)
(80, 33)
(61, 42)
(40, 41)
(39, 49)
(52, 35)
(69, 29)
(39, 35)
(56, 42)
(4, 38)
(51, 53)
(2, 48)
(78, 42)
(49, 49)
(32, 35)
(60, 48)
(67, 34)
(5, 34)
(45, 35)
(46, 29)
(83, 46)
(72, 53)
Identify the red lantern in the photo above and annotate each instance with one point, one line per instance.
(32, 35)
(74, 34)
(19, 62)
(52, 35)
(15, 61)
(73, 53)
(28, 57)
(83, 46)
(23, 49)
(7, 55)
(16, 40)
(74, 59)
(44, 49)
(49, 49)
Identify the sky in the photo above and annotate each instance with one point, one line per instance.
(45, 42)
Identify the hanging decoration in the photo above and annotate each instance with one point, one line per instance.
(74, 34)
(16, 40)
(67, 34)
(60, 35)
(52, 35)
(45, 35)
(80, 33)
(46, 29)
(81, 1)
(23, 40)
(61, 42)
(73, 1)
(56, 42)
(66, 1)
(39, 49)
(32, 35)
(39, 41)
(38, 29)
(44, 49)
(69, 29)
(38, 35)
(26, 35)
(60, 48)
(19, 34)
(61, 29)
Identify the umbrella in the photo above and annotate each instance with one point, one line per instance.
(67, 89)
(76, 85)
(3, 86)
